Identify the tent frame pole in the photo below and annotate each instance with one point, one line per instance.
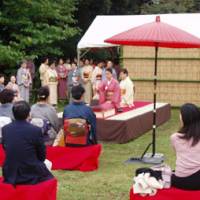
(79, 55)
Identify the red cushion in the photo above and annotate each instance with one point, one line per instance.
(168, 194)
(2, 155)
(44, 190)
(75, 158)
(70, 158)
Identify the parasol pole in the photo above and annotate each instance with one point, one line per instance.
(154, 102)
(151, 158)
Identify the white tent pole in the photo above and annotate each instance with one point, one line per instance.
(84, 53)
(78, 57)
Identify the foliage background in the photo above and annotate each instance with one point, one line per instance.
(38, 28)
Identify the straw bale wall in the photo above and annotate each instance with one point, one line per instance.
(178, 73)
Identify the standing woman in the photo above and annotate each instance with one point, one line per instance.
(186, 143)
(86, 78)
(51, 79)
(62, 76)
(96, 80)
(42, 70)
(14, 87)
(67, 64)
(24, 81)
(2, 80)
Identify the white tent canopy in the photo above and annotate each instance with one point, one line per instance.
(104, 27)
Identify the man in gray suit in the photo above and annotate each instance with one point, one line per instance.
(74, 79)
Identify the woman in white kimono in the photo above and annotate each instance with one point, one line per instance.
(86, 78)
(127, 89)
(51, 79)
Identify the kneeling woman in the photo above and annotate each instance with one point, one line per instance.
(186, 144)
(44, 111)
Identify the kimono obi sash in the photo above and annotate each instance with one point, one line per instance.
(86, 75)
(52, 79)
(109, 95)
(76, 131)
(63, 76)
(25, 77)
(98, 76)
(52, 76)
(62, 72)
(123, 91)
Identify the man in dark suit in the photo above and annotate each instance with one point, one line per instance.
(24, 149)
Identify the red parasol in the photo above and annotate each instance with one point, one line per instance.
(155, 34)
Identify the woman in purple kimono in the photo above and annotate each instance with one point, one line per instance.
(62, 76)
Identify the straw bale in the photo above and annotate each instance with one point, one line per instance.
(141, 52)
(173, 64)
(167, 69)
(175, 93)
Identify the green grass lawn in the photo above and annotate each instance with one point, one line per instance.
(113, 179)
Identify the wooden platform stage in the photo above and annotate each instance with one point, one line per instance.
(132, 123)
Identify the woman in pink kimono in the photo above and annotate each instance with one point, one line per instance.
(109, 92)
(62, 82)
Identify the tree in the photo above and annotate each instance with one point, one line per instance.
(125, 7)
(89, 9)
(168, 6)
(34, 28)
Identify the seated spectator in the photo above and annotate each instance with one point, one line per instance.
(6, 99)
(78, 109)
(186, 143)
(24, 149)
(2, 79)
(47, 113)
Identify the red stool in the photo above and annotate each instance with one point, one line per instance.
(2, 155)
(168, 194)
(70, 158)
(75, 158)
(42, 191)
